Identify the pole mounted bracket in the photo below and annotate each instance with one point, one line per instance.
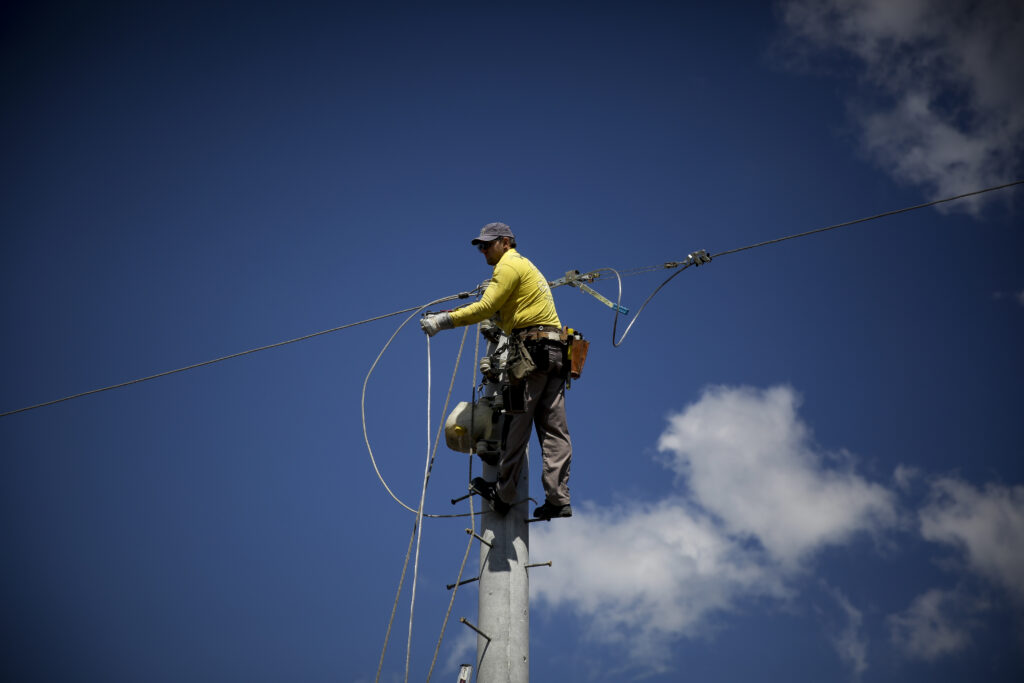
(466, 622)
(479, 538)
(463, 582)
(573, 278)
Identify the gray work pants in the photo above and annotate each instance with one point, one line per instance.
(545, 408)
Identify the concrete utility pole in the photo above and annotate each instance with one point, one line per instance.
(504, 606)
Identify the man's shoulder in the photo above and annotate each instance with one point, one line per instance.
(517, 261)
(512, 261)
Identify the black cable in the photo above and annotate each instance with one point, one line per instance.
(691, 261)
(869, 218)
(218, 360)
(464, 295)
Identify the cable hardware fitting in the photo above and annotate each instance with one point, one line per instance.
(698, 258)
(573, 278)
(539, 564)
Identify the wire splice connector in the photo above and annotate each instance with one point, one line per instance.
(697, 258)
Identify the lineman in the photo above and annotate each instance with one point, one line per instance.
(519, 293)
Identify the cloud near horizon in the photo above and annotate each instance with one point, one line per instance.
(941, 104)
(756, 500)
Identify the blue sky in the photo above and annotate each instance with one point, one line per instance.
(803, 464)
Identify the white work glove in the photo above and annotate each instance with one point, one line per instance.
(432, 323)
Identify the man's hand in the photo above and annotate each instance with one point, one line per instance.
(432, 323)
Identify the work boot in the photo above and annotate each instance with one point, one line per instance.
(489, 492)
(547, 511)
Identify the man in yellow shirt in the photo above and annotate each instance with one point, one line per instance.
(521, 297)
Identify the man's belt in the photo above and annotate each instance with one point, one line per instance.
(539, 332)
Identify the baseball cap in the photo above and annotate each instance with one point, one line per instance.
(493, 231)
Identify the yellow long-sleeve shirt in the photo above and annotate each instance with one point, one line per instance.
(518, 291)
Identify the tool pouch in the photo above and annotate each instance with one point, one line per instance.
(577, 356)
(578, 347)
(519, 362)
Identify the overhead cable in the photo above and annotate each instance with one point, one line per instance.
(472, 524)
(419, 511)
(701, 257)
(595, 276)
(362, 406)
(417, 524)
(461, 295)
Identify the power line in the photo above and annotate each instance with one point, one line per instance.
(472, 529)
(594, 276)
(362, 408)
(417, 526)
(229, 357)
(869, 218)
(700, 257)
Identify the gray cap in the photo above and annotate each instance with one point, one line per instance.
(493, 231)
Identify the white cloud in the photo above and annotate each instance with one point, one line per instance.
(904, 476)
(645, 575)
(849, 642)
(951, 112)
(755, 501)
(933, 626)
(463, 650)
(987, 525)
(749, 459)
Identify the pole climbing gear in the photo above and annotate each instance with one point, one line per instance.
(489, 491)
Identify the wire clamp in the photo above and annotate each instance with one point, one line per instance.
(698, 258)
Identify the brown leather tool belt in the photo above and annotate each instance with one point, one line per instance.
(540, 332)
